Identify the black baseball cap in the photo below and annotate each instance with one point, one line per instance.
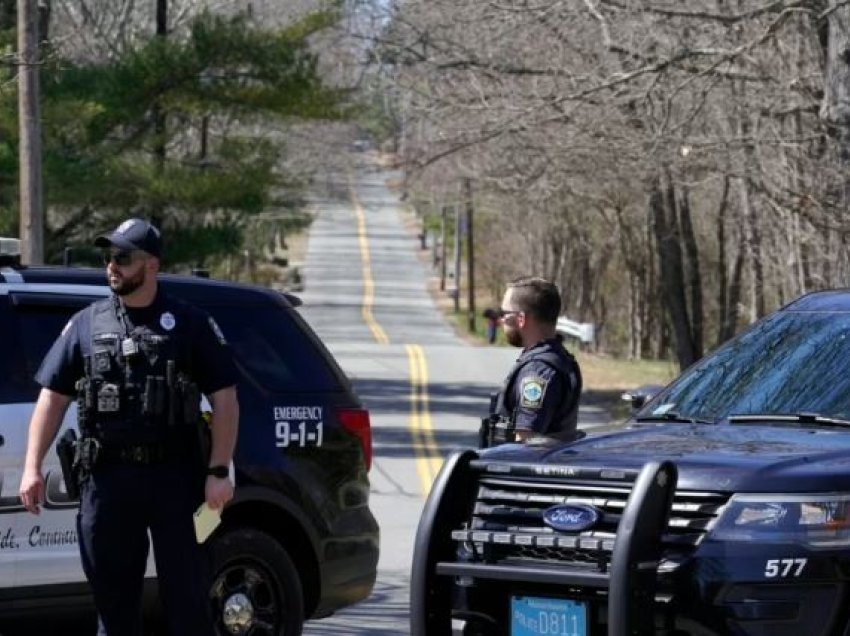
(133, 234)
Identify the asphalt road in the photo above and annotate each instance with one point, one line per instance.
(426, 388)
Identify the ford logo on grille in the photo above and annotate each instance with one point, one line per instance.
(571, 517)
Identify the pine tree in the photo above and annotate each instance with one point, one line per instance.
(216, 88)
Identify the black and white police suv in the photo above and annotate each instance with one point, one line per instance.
(298, 541)
(723, 507)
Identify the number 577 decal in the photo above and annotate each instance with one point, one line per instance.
(784, 568)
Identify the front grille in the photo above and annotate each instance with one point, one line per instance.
(507, 521)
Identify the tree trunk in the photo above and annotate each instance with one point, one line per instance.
(694, 282)
(651, 299)
(722, 265)
(662, 204)
(730, 322)
(835, 106)
(8, 14)
(759, 305)
(44, 8)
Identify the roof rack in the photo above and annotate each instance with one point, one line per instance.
(10, 251)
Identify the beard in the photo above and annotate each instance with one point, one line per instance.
(127, 284)
(513, 338)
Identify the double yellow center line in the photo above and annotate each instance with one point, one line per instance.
(428, 458)
(368, 283)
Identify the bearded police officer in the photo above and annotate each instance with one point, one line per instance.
(540, 396)
(137, 363)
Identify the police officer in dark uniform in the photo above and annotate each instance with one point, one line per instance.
(137, 363)
(540, 396)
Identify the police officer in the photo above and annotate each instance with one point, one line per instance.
(137, 363)
(540, 396)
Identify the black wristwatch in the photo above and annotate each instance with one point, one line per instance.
(219, 471)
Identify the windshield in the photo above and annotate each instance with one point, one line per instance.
(791, 362)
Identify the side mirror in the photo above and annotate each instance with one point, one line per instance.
(641, 395)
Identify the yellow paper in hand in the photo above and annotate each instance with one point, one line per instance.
(206, 520)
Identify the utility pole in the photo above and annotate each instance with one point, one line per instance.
(29, 118)
(470, 254)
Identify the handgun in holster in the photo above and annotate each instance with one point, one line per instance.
(485, 433)
(495, 428)
(66, 448)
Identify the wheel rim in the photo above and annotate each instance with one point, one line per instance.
(247, 601)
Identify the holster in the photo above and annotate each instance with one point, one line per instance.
(88, 451)
(495, 430)
(66, 448)
(485, 439)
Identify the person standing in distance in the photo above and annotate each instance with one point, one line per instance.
(137, 362)
(540, 396)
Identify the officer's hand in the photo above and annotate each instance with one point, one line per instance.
(32, 490)
(218, 491)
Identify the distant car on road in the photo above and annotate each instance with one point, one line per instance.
(299, 539)
(722, 508)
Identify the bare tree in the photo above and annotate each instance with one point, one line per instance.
(720, 123)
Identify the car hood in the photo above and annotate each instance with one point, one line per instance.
(726, 457)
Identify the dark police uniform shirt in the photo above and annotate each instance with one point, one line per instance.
(211, 358)
(540, 390)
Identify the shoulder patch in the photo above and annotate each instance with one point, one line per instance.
(217, 330)
(532, 389)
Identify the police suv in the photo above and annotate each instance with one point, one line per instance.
(298, 540)
(723, 507)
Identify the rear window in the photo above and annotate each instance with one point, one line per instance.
(272, 350)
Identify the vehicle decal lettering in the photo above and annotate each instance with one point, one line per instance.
(297, 413)
(784, 568)
(299, 426)
(8, 540)
(43, 538)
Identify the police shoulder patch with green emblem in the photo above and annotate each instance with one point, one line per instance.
(532, 389)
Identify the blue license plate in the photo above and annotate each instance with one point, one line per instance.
(533, 616)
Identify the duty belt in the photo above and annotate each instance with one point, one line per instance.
(137, 454)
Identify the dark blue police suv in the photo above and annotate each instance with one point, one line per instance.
(298, 541)
(722, 507)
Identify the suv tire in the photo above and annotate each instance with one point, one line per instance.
(256, 589)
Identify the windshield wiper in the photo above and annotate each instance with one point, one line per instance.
(674, 416)
(789, 418)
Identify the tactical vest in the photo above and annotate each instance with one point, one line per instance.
(565, 419)
(134, 391)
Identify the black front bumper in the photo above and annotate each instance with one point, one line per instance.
(629, 583)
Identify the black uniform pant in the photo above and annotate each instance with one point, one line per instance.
(118, 505)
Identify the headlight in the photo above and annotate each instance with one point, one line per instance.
(816, 521)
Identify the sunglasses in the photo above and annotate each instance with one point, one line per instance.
(122, 258)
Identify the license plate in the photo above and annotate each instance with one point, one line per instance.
(533, 616)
